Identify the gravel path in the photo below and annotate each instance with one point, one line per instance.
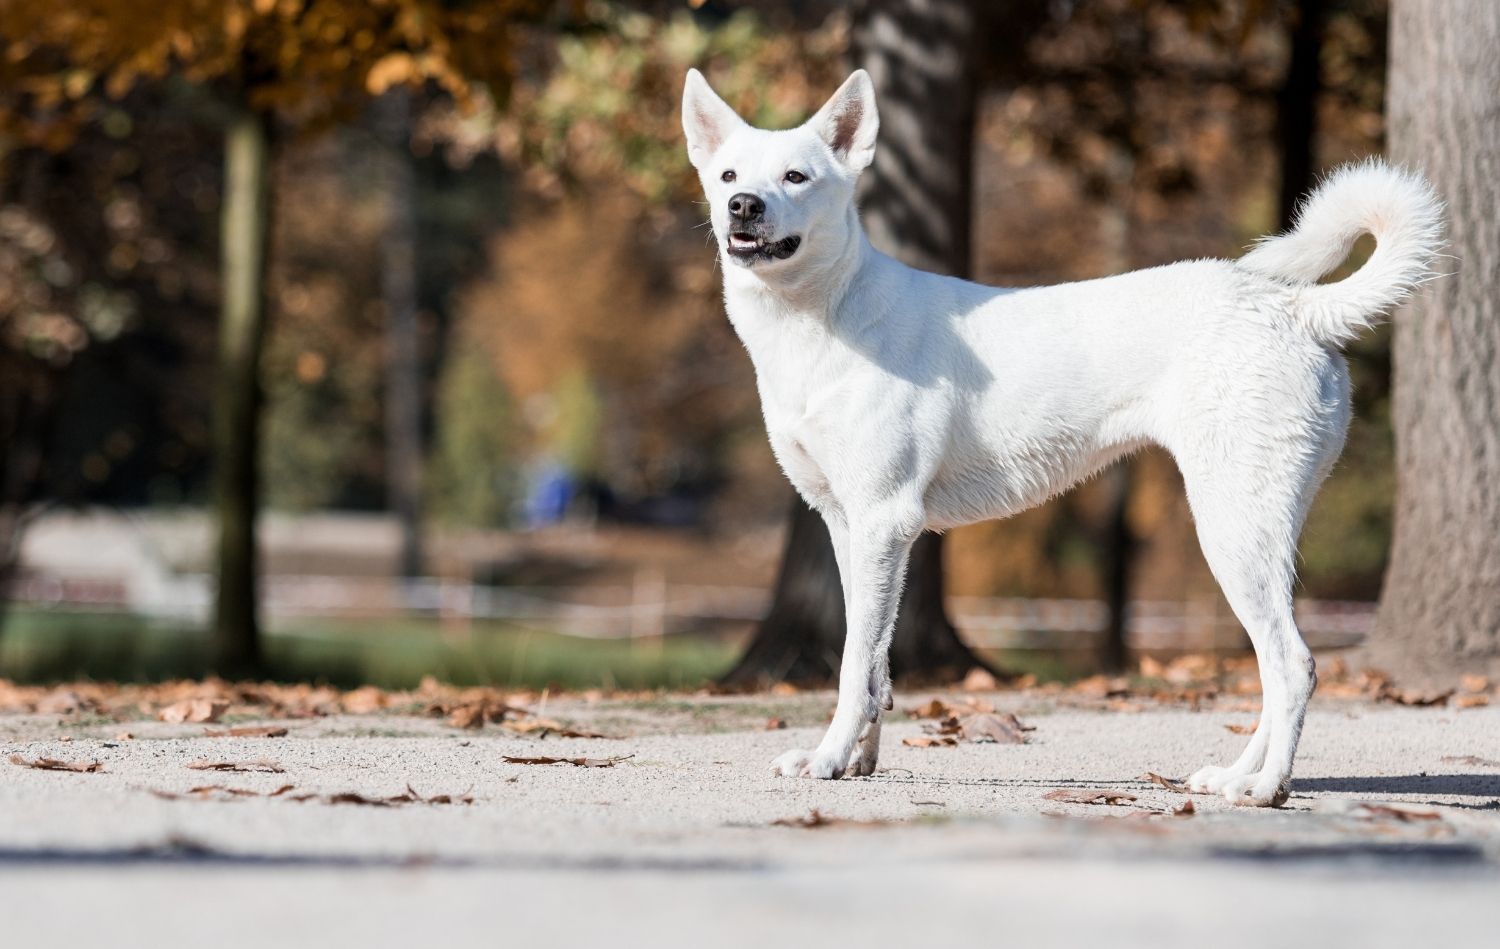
(678, 844)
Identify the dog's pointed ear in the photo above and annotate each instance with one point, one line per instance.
(706, 119)
(848, 121)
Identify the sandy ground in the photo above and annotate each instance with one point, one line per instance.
(677, 845)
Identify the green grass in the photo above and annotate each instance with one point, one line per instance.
(45, 646)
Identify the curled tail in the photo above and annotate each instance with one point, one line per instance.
(1402, 212)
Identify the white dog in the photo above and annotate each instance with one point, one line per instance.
(899, 401)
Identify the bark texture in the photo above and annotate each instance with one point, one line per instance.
(1440, 607)
(917, 206)
(244, 233)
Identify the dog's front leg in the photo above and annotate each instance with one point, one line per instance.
(876, 564)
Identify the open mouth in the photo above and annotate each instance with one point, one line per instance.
(747, 246)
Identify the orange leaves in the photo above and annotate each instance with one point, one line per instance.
(308, 61)
(260, 765)
(973, 721)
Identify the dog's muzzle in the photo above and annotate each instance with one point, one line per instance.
(747, 245)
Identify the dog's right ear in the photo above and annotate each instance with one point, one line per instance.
(706, 119)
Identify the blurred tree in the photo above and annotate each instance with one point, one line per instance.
(473, 464)
(1440, 609)
(403, 357)
(306, 62)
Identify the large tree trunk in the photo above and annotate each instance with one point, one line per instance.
(917, 207)
(403, 362)
(244, 233)
(1440, 607)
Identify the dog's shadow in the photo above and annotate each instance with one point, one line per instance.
(1452, 785)
(1437, 785)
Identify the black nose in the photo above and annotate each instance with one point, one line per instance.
(746, 206)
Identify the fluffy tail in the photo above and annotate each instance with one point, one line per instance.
(1403, 213)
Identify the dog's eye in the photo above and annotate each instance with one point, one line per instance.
(727, 176)
(795, 177)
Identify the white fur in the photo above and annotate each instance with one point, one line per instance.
(899, 401)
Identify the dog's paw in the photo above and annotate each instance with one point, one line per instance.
(807, 764)
(1259, 789)
(1210, 780)
(866, 755)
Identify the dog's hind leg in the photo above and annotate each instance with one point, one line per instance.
(1248, 521)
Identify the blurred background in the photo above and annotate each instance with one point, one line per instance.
(362, 341)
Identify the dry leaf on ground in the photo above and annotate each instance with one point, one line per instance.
(576, 762)
(1242, 729)
(930, 741)
(207, 791)
(1474, 683)
(1471, 759)
(52, 764)
(548, 727)
(1185, 809)
(1413, 697)
(1003, 729)
(193, 710)
(979, 680)
(1088, 796)
(932, 708)
(1171, 784)
(1470, 700)
(260, 764)
(246, 731)
(775, 724)
(815, 818)
(1403, 814)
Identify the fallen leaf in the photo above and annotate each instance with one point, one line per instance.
(1170, 784)
(1470, 700)
(467, 716)
(1003, 729)
(815, 818)
(775, 724)
(52, 764)
(1413, 697)
(979, 680)
(548, 727)
(932, 708)
(1088, 796)
(1403, 814)
(1185, 809)
(193, 710)
(246, 731)
(1471, 760)
(1474, 683)
(261, 765)
(784, 689)
(124, 736)
(205, 791)
(930, 741)
(363, 700)
(576, 762)
(1242, 729)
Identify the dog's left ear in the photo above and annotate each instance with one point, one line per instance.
(848, 121)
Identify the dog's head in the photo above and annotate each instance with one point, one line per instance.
(779, 199)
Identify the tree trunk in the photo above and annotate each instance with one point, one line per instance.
(1440, 607)
(917, 206)
(244, 234)
(1297, 107)
(403, 363)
